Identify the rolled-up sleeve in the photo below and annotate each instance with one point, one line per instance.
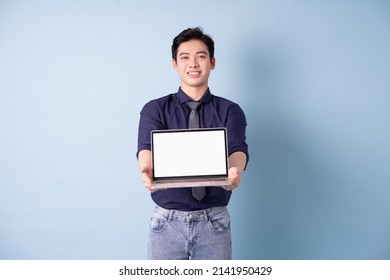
(149, 120)
(236, 127)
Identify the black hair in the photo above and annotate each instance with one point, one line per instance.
(191, 34)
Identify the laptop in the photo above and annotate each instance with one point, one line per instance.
(189, 158)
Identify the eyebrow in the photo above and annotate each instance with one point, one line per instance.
(185, 53)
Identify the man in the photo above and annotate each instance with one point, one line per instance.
(184, 226)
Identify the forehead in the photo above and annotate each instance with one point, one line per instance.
(192, 46)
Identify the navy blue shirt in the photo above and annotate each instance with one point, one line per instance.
(172, 112)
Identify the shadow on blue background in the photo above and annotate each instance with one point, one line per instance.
(303, 196)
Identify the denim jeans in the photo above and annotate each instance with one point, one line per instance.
(196, 235)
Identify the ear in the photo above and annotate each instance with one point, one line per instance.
(174, 64)
(212, 66)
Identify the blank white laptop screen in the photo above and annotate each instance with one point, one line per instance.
(189, 153)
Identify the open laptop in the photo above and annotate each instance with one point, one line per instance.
(189, 158)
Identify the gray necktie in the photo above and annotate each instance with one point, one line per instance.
(193, 122)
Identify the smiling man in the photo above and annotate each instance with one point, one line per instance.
(193, 64)
(184, 225)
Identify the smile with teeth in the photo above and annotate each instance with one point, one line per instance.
(194, 74)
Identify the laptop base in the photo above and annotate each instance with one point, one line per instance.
(180, 184)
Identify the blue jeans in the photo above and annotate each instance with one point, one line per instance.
(196, 235)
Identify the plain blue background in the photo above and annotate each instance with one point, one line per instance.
(312, 76)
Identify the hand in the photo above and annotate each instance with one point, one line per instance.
(147, 180)
(145, 167)
(146, 175)
(234, 178)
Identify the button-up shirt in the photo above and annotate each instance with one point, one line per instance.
(172, 112)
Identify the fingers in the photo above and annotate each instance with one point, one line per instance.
(147, 180)
(234, 178)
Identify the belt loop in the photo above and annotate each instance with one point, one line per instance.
(170, 215)
(206, 215)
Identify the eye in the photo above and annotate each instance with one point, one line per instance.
(184, 57)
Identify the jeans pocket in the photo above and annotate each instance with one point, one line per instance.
(157, 225)
(220, 223)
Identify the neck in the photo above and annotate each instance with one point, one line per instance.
(195, 93)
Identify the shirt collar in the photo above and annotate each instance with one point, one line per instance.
(183, 98)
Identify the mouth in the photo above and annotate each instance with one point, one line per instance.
(193, 74)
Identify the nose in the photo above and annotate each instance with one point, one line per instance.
(193, 62)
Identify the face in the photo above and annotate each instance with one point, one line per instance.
(193, 65)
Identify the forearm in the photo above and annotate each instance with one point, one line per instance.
(238, 160)
(145, 167)
(144, 161)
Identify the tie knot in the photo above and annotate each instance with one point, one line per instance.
(193, 104)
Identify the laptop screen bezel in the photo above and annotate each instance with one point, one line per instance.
(225, 174)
